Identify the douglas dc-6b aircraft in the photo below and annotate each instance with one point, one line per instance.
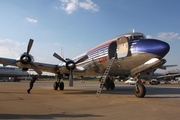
(126, 55)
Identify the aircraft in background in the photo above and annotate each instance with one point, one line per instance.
(133, 53)
(155, 75)
(6, 72)
(170, 75)
(12, 72)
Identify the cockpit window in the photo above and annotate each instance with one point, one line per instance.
(129, 37)
(135, 37)
(138, 37)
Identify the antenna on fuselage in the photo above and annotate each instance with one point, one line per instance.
(133, 30)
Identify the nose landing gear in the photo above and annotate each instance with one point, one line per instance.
(139, 89)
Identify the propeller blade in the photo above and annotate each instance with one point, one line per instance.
(29, 45)
(36, 69)
(70, 78)
(59, 57)
(82, 59)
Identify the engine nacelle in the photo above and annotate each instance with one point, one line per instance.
(24, 61)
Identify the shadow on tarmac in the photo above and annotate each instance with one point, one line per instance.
(48, 116)
(163, 92)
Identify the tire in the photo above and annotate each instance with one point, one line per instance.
(55, 85)
(107, 83)
(61, 86)
(140, 90)
(107, 86)
(112, 85)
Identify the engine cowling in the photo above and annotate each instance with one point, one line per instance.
(24, 61)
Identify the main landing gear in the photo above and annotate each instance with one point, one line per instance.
(139, 89)
(109, 84)
(58, 83)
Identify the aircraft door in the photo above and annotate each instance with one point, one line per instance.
(112, 50)
(123, 48)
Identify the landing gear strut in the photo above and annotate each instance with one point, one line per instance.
(139, 89)
(59, 83)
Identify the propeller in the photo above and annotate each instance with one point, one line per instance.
(29, 46)
(70, 65)
(25, 59)
(36, 69)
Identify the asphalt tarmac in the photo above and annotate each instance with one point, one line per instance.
(162, 102)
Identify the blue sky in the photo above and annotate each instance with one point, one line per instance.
(78, 25)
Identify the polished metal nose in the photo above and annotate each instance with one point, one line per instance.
(153, 46)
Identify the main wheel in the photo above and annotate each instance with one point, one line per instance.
(107, 83)
(61, 86)
(112, 85)
(107, 86)
(140, 90)
(55, 85)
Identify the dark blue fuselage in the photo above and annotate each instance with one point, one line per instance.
(153, 46)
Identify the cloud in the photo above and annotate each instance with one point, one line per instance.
(73, 5)
(31, 20)
(70, 6)
(168, 36)
(56, 44)
(149, 36)
(89, 5)
(10, 48)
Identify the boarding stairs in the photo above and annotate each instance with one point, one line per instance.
(104, 77)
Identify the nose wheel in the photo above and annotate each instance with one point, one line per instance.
(139, 90)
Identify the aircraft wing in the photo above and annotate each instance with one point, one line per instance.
(7, 60)
(45, 66)
(165, 66)
(148, 67)
(167, 76)
(42, 66)
(174, 75)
